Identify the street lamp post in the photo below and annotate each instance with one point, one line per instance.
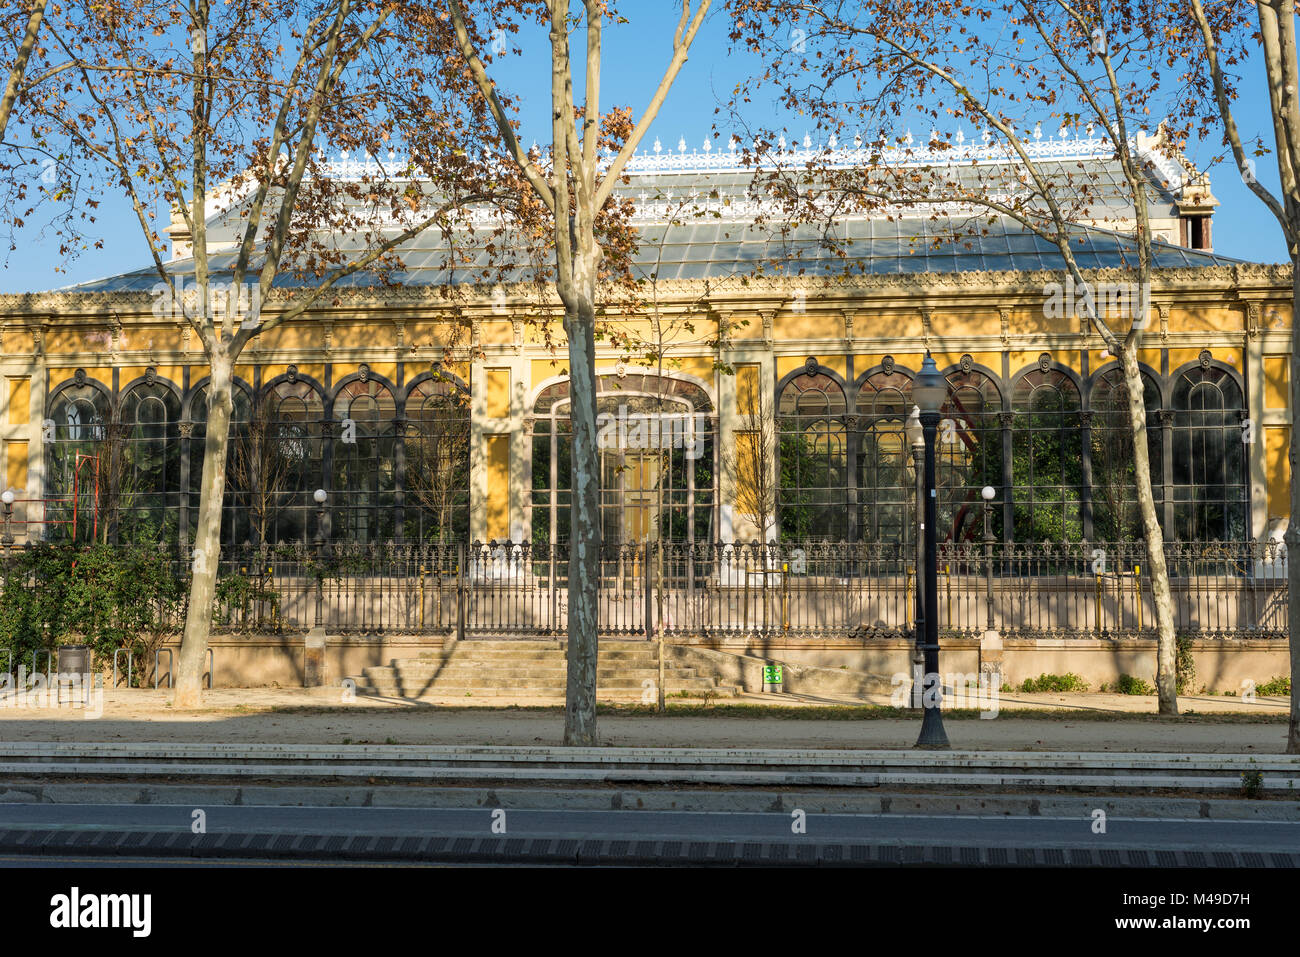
(930, 391)
(319, 496)
(916, 439)
(8, 540)
(988, 492)
(8, 498)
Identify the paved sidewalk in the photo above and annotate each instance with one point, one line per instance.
(1087, 722)
(150, 703)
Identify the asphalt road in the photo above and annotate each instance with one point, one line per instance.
(718, 827)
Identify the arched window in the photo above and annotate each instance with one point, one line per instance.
(658, 453)
(148, 474)
(81, 414)
(294, 415)
(1047, 458)
(886, 478)
(437, 461)
(1208, 457)
(364, 470)
(1115, 513)
(969, 452)
(812, 500)
(239, 518)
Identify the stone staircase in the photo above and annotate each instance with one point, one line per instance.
(474, 668)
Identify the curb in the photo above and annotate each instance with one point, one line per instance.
(735, 801)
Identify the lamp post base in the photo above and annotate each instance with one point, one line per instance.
(932, 737)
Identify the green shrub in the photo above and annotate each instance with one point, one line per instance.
(243, 602)
(1274, 687)
(104, 596)
(1185, 667)
(1128, 684)
(1252, 782)
(1066, 682)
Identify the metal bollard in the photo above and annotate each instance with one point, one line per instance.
(170, 660)
(49, 660)
(130, 666)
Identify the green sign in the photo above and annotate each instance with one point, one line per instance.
(771, 674)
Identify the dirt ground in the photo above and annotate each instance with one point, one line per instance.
(1082, 722)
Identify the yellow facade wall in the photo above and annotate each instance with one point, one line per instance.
(1019, 359)
(745, 328)
(961, 324)
(1277, 471)
(1181, 357)
(991, 360)
(546, 333)
(908, 360)
(418, 335)
(69, 340)
(888, 325)
(20, 401)
(498, 486)
(543, 369)
(497, 333)
(1277, 382)
(363, 335)
(787, 364)
(748, 382)
(1206, 318)
(805, 325)
(315, 370)
(701, 367)
(498, 393)
(173, 374)
(16, 465)
(749, 466)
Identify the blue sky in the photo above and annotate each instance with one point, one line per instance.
(635, 56)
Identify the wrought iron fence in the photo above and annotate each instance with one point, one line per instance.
(817, 589)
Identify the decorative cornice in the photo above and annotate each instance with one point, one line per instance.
(832, 154)
(1021, 283)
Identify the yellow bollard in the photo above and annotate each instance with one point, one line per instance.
(1137, 588)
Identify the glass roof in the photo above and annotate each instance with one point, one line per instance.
(697, 250)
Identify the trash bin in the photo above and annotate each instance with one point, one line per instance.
(74, 659)
(74, 671)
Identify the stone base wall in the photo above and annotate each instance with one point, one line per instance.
(1221, 665)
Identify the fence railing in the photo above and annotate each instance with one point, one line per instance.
(817, 589)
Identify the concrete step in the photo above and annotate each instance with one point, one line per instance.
(531, 653)
(619, 657)
(532, 669)
(470, 675)
(480, 667)
(531, 680)
(547, 691)
(481, 645)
